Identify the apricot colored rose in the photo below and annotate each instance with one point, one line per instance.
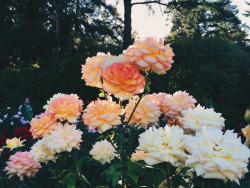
(42, 125)
(67, 107)
(123, 80)
(150, 55)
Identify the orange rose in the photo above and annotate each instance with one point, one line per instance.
(67, 107)
(43, 125)
(123, 80)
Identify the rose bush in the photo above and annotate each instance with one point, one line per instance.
(129, 137)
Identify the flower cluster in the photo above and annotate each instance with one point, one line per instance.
(136, 130)
(63, 138)
(60, 107)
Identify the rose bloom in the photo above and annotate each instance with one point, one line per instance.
(138, 155)
(123, 80)
(163, 145)
(40, 153)
(21, 164)
(63, 138)
(172, 105)
(103, 151)
(39, 127)
(23, 133)
(55, 96)
(102, 115)
(67, 107)
(150, 54)
(147, 112)
(194, 119)
(91, 71)
(247, 116)
(14, 143)
(217, 155)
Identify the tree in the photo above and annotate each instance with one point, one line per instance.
(54, 29)
(128, 4)
(199, 18)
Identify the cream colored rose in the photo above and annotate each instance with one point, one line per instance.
(103, 151)
(123, 80)
(163, 145)
(217, 155)
(195, 119)
(14, 143)
(40, 153)
(64, 137)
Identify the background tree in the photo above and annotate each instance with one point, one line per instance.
(203, 18)
(45, 42)
(128, 4)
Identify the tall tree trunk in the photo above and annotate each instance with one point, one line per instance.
(127, 37)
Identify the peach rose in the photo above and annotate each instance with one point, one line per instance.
(91, 71)
(138, 155)
(123, 80)
(150, 54)
(147, 112)
(172, 105)
(67, 107)
(102, 115)
(42, 125)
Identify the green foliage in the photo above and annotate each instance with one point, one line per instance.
(214, 71)
(204, 18)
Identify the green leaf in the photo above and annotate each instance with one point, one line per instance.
(159, 178)
(116, 178)
(133, 166)
(84, 179)
(147, 89)
(70, 180)
(113, 168)
(131, 177)
(78, 165)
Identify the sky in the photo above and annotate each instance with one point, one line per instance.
(148, 24)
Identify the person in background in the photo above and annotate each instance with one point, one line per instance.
(26, 110)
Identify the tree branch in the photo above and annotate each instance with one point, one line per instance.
(148, 2)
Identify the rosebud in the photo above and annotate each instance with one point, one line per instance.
(247, 116)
